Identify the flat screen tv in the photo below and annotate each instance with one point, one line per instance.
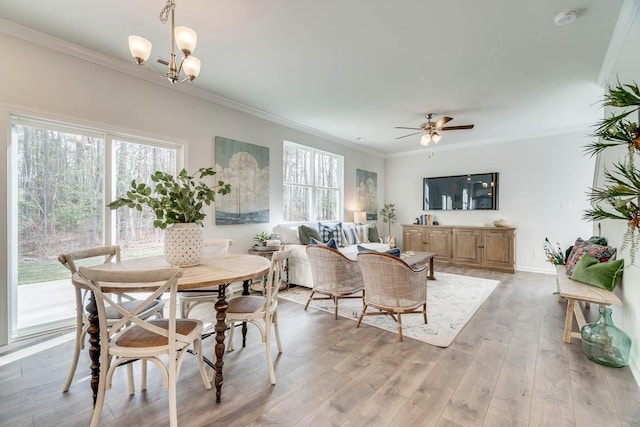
(461, 192)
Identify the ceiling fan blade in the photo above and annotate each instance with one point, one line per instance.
(415, 133)
(400, 127)
(441, 122)
(457, 127)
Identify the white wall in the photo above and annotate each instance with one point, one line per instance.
(537, 177)
(65, 87)
(626, 317)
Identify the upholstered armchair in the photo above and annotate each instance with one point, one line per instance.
(334, 275)
(392, 286)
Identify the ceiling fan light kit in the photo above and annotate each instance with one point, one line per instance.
(430, 129)
(184, 37)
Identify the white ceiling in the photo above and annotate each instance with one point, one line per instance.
(357, 68)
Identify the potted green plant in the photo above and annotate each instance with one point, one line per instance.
(619, 197)
(178, 204)
(388, 214)
(262, 238)
(617, 130)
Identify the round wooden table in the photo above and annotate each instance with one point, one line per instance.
(214, 270)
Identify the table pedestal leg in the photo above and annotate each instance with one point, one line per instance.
(245, 291)
(94, 344)
(431, 275)
(221, 326)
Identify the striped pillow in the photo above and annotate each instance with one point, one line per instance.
(363, 232)
(351, 235)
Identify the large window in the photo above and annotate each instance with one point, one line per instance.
(63, 177)
(312, 184)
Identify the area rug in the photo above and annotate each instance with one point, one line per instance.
(452, 300)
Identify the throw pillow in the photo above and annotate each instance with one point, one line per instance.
(305, 232)
(331, 232)
(331, 243)
(581, 247)
(363, 232)
(374, 236)
(351, 235)
(604, 275)
(394, 251)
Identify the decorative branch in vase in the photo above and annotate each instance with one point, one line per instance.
(388, 214)
(178, 204)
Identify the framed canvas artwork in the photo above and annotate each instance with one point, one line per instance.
(246, 167)
(367, 193)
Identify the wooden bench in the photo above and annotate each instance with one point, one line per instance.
(576, 292)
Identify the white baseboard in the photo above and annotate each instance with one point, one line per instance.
(536, 270)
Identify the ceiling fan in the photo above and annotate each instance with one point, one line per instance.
(430, 129)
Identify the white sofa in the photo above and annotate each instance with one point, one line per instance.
(299, 270)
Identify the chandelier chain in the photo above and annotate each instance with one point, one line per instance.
(164, 13)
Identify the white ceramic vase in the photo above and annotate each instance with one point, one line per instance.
(183, 244)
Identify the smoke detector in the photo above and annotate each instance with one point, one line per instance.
(565, 17)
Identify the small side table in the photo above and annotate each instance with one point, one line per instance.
(258, 285)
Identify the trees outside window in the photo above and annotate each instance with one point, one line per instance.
(61, 187)
(312, 184)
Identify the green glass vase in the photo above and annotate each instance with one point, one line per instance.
(604, 343)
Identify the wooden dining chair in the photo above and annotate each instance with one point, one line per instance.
(102, 254)
(392, 287)
(261, 310)
(190, 299)
(133, 338)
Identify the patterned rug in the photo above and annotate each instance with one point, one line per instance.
(451, 301)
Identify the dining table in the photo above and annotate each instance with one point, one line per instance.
(215, 270)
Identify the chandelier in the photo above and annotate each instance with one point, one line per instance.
(184, 37)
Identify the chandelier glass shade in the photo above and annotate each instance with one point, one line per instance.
(183, 37)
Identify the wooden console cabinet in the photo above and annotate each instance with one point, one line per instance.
(491, 248)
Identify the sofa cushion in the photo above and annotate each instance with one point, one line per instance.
(331, 243)
(288, 233)
(363, 232)
(331, 232)
(374, 236)
(581, 247)
(305, 232)
(350, 234)
(595, 273)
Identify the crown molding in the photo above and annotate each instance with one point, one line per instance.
(627, 16)
(131, 69)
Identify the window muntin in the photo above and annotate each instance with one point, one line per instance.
(313, 181)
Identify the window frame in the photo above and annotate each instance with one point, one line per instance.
(108, 135)
(311, 200)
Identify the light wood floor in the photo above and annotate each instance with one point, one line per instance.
(508, 367)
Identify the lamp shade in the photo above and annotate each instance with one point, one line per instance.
(191, 67)
(140, 48)
(435, 137)
(186, 39)
(359, 217)
(426, 138)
